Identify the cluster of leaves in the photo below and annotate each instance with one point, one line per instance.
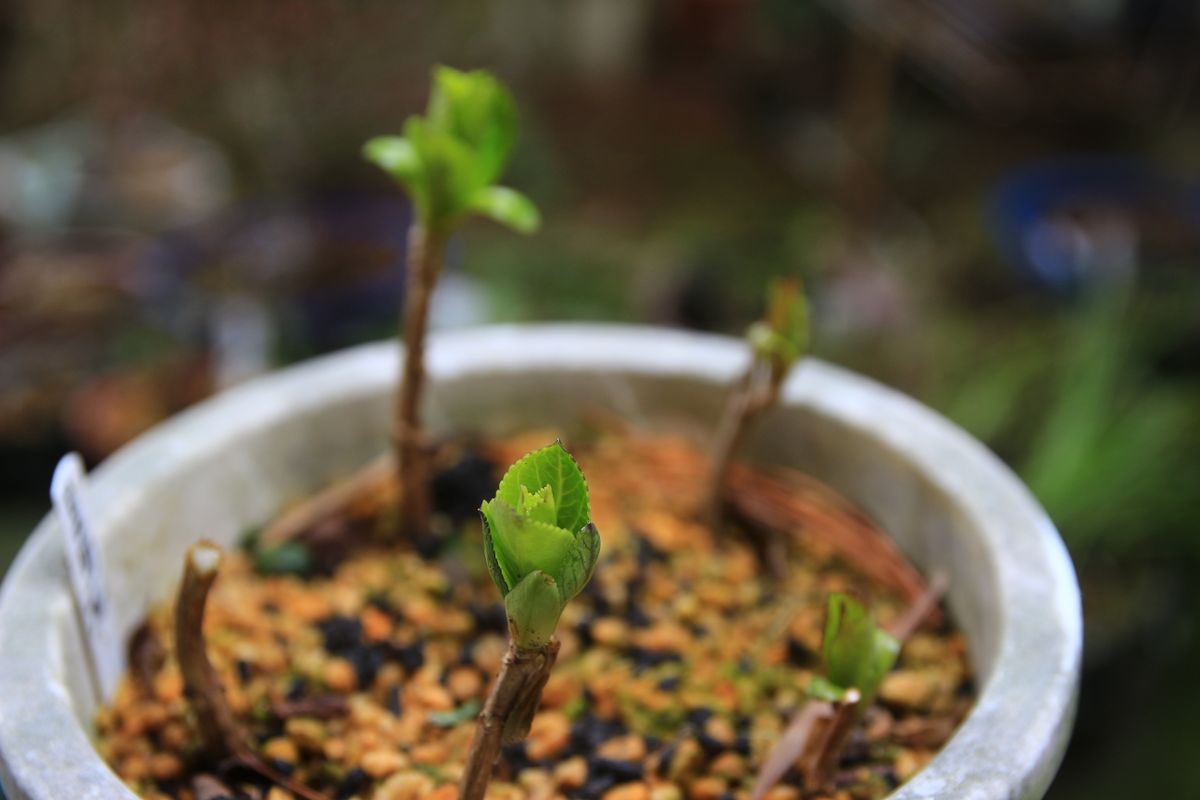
(449, 159)
(857, 653)
(539, 541)
(781, 338)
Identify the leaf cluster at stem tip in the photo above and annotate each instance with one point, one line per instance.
(857, 654)
(449, 159)
(539, 541)
(781, 338)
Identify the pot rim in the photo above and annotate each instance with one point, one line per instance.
(1010, 744)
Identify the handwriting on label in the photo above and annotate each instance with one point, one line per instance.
(85, 564)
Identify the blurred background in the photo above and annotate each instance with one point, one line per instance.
(995, 205)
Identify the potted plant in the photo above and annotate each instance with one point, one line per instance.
(948, 504)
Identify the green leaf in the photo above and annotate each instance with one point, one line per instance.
(857, 654)
(538, 506)
(887, 650)
(821, 688)
(550, 466)
(508, 207)
(783, 335)
(522, 545)
(286, 558)
(448, 181)
(397, 156)
(448, 719)
(489, 555)
(580, 562)
(476, 109)
(533, 607)
(448, 158)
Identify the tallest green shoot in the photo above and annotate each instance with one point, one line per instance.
(448, 161)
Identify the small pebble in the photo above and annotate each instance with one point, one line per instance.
(281, 748)
(339, 675)
(381, 763)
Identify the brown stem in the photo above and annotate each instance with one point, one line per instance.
(790, 746)
(507, 713)
(752, 395)
(819, 761)
(221, 736)
(426, 250)
(904, 626)
(813, 741)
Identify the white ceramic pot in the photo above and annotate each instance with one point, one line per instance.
(232, 461)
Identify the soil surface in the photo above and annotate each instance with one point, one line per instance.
(680, 664)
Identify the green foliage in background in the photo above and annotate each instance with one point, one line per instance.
(449, 159)
(1103, 442)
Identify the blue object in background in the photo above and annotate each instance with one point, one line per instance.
(1069, 222)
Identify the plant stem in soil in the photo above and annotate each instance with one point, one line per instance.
(755, 392)
(507, 714)
(819, 762)
(426, 249)
(221, 736)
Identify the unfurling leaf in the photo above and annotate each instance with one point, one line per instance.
(449, 159)
(857, 653)
(539, 542)
(782, 336)
(550, 466)
(522, 544)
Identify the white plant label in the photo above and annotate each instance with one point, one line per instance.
(69, 493)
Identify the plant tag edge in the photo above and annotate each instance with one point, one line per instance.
(71, 501)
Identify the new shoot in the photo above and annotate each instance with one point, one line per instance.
(857, 656)
(541, 548)
(448, 161)
(776, 342)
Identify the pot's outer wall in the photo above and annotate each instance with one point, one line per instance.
(231, 462)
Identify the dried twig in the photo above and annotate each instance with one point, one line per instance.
(507, 714)
(220, 733)
(372, 481)
(908, 623)
(790, 746)
(327, 706)
(820, 758)
(221, 736)
(787, 501)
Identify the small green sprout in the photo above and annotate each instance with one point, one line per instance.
(776, 342)
(781, 338)
(449, 159)
(539, 541)
(448, 162)
(857, 653)
(541, 548)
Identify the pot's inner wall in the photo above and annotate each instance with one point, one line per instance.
(220, 491)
